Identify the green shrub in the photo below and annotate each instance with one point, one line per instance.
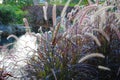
(19, 3)
(11, 14)
(19, 14)
(6, 14)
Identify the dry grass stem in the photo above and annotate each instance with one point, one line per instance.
(54, 74)
(12, 36)
(26, 25)
(65, 8)
(103, 33)
(91, 56)
(79, 2)
(45, 12)
(54, 15)
(99, 11)
(94, 38)
(104, 68)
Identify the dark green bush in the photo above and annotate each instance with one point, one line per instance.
(6, 14)
(19, 14)
(19, 3)
(11, 14)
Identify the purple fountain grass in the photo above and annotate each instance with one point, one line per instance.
(12, 36)
(45, 10)
(65, 8)
(54, 15)
(91, 56)
(116, 30)
(85, 11)
(55, 34)
(103, 8)
(74, 52)
(104, 68)
(103, 33)
(94, 38)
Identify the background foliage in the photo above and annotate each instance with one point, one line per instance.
(11, 14)
(19, 3)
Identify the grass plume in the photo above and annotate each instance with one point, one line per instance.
(91, 56)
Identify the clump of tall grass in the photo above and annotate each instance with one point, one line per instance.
(87, 47)
(86, 30)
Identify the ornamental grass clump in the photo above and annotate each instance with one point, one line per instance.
(84, 47)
